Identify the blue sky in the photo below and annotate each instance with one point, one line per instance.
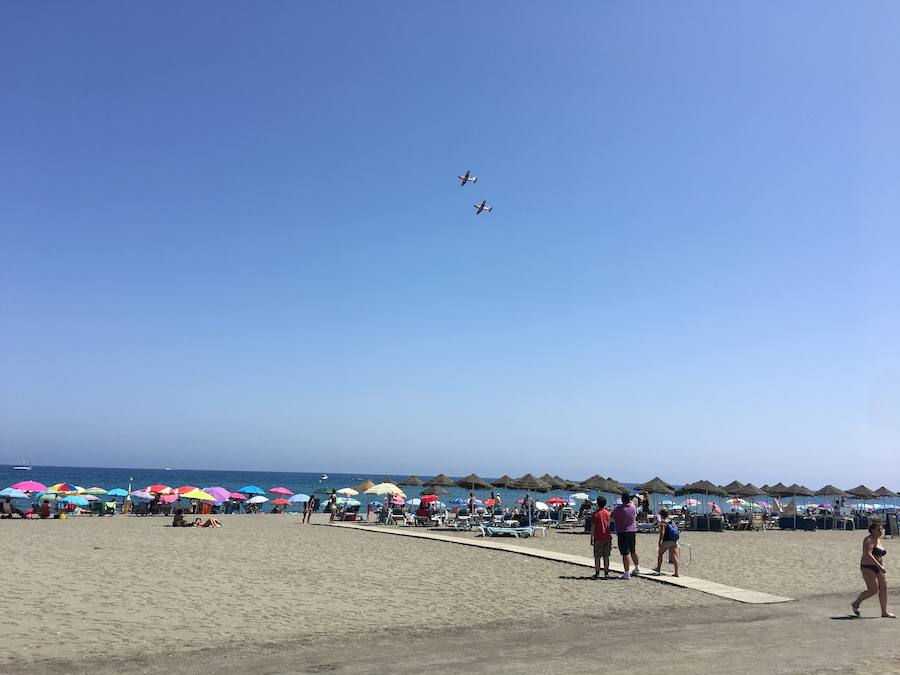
(230, 237)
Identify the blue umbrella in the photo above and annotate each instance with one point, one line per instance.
(12, 493)
(457, 500)
(252, 489)
(299, 497)
(77, 501)
(118, 492)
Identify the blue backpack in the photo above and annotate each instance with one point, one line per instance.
(672, 532)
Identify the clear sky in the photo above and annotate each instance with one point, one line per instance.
(231, 237)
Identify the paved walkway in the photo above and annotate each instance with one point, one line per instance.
(702, 585)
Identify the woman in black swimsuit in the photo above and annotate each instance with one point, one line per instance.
(873, 570)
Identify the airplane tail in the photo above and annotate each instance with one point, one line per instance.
(475, 180)
(488, 208)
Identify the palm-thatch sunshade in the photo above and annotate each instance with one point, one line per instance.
(554, 482)
(615, 487)
(702, 487)
(365, 485)
(412, 480)
(435, 490)
(800, 491)
(884, 492)
(750, 490)
(529, 482)
(862, 492)
(656, 486)
(733, 487)
(504, 481)
(779, 490)
(595, 482)
(473, 482)
(442, 480)
(830, 491)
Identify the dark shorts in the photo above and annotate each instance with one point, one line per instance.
(626, 542)
(602, 549)
(875, 569)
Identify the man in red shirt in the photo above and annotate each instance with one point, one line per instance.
(601, 539)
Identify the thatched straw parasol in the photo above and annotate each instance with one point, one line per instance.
(732, 487)
(830, 491)
(412, 480)
(554, 482)
(656, 486)
(862, 492)
(778, 490)
(529, 482)
(365, 485)
(442, 480)
(595, 482)
(884, 492)
(503, 482)
(473, 482)
(435, 490)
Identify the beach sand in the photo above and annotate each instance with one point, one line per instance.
(269, 595)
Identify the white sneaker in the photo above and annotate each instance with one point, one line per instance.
(625, 575)
(636, 570)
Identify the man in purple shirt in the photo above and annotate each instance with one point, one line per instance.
(625, 518)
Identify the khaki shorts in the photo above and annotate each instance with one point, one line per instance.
(602, 549)
(666, 545)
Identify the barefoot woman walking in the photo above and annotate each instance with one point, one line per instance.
(873, 570)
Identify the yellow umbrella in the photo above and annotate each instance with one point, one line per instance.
(199, 494)
(385, 489)
(94, 491)
(349, 492)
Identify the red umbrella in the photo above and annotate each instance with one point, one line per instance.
(184, 488)
(554, 500)
(429, 498)
(238, 495)
(280, 501)
(168, 499)
(281, 491)
(158, 489)
(490, 502)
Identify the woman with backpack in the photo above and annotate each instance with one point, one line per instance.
(668, 541)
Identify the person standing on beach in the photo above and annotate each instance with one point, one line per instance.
(332, 505)
(872, 566)
(668, 541)
(601, 539)
(625, 518)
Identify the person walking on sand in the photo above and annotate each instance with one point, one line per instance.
(601, 539)
(332, 505)
(625, 518)
(872, 566)
(668, 541)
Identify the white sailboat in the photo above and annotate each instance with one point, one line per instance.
(25, 466)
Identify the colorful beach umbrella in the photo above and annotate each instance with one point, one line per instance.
(281, 491)
(554, 500)
(238, 495)
(185, 488)
(198, 494)
(158, 489)
(252, 490)
(169, 498)
(117, 492)
(281, 500)
(76, 500)
(298, 498)
(383, 489)
(141, 494)
(258, 499)
(63, 487)
(219, 493)
(427, 499)
(29, 486)
(94, 491)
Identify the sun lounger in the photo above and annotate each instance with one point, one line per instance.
(491, 531)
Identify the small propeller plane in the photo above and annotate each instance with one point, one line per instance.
(465, 179)
(483, 206)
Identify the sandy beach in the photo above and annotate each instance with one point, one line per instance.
(130, 594)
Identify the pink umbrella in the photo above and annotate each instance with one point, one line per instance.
(238, 495)
(713, 506)
(397, 501)
(281, 491)
(763, 505)
(29, 486)
(168, 499)
(90, 498)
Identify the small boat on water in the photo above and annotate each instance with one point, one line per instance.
(24, 466)
(324, 476)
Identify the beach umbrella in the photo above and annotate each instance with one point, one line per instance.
(365, 485)
(529, 482)
(458, 500)
(384, 489)
(158, 489)
(556, 500)
(473, 482)
(169, 499)
(882, 493)
(91, 498)
(581, 496)
(281, 491)
(237, 495)
(615, 487)
(436, 490)
(93, 491)
(388, 479)
(441, 480)
(595, 482)
(220, 494)
(503, 482)
(185, 488)
(198, 494)
(554, 482)
(732, 487)
(764, 505)
(690, 502)
(749, 490)
(76, 500)
(63, 487)
(347, 492)
(397, 501)
(412, 480)
(29, 486)
(142, 494)
(541, 506)
(252, 490)
(298, 498)
(258, 499)
(736, 501)
(281, 501)
(778, 490)
(426, 499)
(656, 485)
(346, 501)
(13, 493)
(862, 492)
